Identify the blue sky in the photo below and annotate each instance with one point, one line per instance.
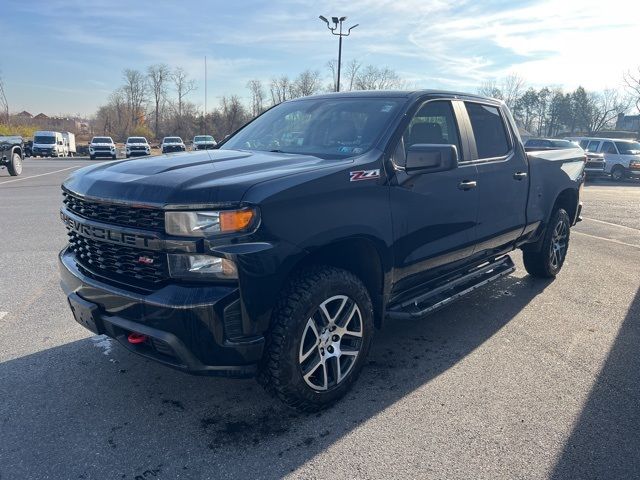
(66, 56)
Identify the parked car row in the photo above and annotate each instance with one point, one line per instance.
(615, 158)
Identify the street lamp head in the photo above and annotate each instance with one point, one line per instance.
(342, 19)
(351, 28)
(335, 20)
(324, 19)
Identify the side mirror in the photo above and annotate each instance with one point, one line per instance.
(429, 158)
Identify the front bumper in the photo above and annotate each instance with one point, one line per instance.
(137, 153)
(187, 327)
(173, 149)
(102, 153)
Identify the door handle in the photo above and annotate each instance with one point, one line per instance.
(467, 184)
(519, 175)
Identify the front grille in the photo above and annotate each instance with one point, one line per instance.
(118, 262)
(137, 148)
(598, 165)
(101, 148)
(115, 214)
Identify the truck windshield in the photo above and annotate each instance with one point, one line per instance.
(173, 140)
(44, 140)
(136, 140)
(203, 138)
(101, 140)
(326, 128)
(628, 148)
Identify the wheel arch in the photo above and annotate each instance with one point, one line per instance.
(567, 199)
(359, 255)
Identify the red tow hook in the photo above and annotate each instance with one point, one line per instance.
(136, 338)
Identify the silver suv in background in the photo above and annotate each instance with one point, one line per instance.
(136, 146)
(102, 147)
(172, 144)
(203, 142)
(622, 157)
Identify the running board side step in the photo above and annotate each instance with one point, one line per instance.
(443, 295)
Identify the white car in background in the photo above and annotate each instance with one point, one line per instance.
(102, 147)
(203, 142)
(172, 144)
(136, 146)
(622, 157)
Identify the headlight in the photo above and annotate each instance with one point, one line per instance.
(202, 224)
(201, 266)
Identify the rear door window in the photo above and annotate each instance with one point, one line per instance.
(492, 140)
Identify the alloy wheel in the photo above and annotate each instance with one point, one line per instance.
(559, 242)
(331, 342)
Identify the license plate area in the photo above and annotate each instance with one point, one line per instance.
(84, 312)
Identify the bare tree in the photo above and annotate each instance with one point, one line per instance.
(375, 78)
(135, 90)
(605, 108)
(4, 103)
(489, 88)
(632, 83)
(184, 86)
(280, 89)
(351, 70)
(158, 76)
(257, 96)
(307, 83)
(512, 88)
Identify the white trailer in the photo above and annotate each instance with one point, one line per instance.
(70, 140)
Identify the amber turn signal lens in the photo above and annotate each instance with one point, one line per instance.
(236, 220)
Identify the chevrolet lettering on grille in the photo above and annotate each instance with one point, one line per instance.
(107, 235)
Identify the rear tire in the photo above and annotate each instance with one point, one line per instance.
(92, 157)
(15, 165)
(321, 333)
(548, 261)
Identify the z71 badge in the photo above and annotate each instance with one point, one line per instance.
(364, 175)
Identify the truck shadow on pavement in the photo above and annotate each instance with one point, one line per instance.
(90, 409)
(605, 442)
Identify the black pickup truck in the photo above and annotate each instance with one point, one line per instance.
(12, 154)
(279, 253)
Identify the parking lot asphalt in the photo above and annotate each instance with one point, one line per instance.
(522, 379)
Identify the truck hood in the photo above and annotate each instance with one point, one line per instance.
(207, 177)
(102, 144)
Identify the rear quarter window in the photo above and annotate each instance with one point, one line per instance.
(489, 130)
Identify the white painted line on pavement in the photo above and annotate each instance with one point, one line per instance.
(40, 175)
(609, 223)
(606, 239)
(3, 314)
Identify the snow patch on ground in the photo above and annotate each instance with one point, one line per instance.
(3, 314)
(103, 342)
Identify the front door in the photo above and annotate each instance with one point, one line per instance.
(434, 214)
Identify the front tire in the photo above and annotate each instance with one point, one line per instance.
(321, 333)
(548, 261)
(15, 166)
(617, 173)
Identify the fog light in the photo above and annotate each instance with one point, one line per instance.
(201, 267)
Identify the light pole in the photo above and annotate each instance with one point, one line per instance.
(337, 25)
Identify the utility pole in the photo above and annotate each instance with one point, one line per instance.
(337, 25)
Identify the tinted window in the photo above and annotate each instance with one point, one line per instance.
(593, 146)
(434, 123)
(488, 128)
(172, 140)
(563, 144)
(628, 148)
(584, 143)
(609, 147)
(102, 140)
(535, 142)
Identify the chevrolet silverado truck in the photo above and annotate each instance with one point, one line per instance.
(12, 154)
(279, 259)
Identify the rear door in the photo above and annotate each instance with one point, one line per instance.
(503, 183)
(434, 214)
